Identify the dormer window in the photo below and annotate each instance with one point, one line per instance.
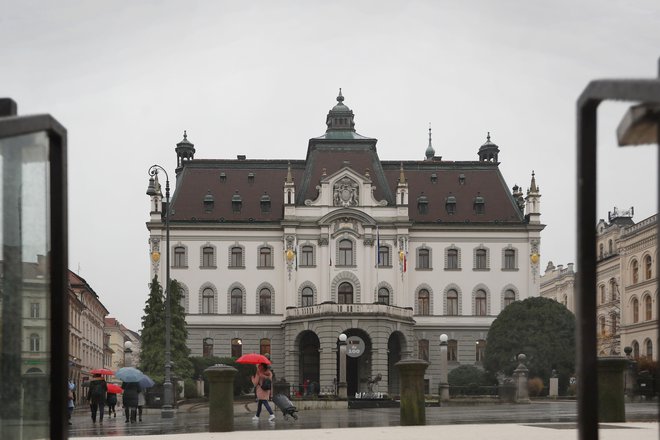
(223, 177)
(450, 205)
(236, 203)
(423, 204)
(208, 202)
(265, 203)
(251, 177)
(479, 205)
(434, 178)
(461, 179)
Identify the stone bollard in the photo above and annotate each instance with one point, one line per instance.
(611, 401)
(221, 397)
(520, 378)
(411, 373)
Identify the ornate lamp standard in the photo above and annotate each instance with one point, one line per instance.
(167, 411)
(341, 385)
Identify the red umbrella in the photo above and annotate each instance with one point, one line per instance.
(253, 358)
(115, 389)
(102, 371)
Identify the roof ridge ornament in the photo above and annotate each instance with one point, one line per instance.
(340, 97)
(402, 177)
(430, 152)
(289, 177)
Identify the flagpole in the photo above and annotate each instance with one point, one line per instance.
(377, 254)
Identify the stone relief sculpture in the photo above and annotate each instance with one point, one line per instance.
(345, 192)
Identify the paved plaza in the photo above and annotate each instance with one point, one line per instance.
(554, 418)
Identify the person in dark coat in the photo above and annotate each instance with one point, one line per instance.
(131, 391)
(112, 402)
(96, 396)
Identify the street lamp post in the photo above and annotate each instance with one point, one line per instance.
(167, 410)
(341, 385)
(444, 385)
(128, 354)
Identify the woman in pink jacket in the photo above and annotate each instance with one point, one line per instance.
(263, 385)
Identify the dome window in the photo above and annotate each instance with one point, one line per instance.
(423, 204)
(265, 203)
(479, 205)
(209, 202)
(450, 205)
(236, 203)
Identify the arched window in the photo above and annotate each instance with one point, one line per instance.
(207, 347)
(179, 256)
(635, 348)
(345, 253)
(236, 257)
(649, 349)
(423, 259)
(600, 251)
(264, 301)
(384, 295)
(423, 302)
(609, 247)
(35, 342)
(635, 271)
(236, 348)
(384, 256)
(236, 301)
(613, 289)
(207, 256)
(509, 297)
(345, 293)
(307, 298)
(648, 265)
(648, 308)
(452, 259)
(208, 300)
(480, 303)
(603, 325)
(635, 310)
(614, 321)
(452, 302)
(601, 289)
(265, 257)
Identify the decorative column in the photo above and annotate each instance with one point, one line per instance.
(520, 378)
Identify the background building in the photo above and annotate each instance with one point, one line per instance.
(626, 289)
(281, 256)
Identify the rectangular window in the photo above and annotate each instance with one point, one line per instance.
(35, 310)
(179, 256)
(481, 259)
(424, 349)
(452, 350)
(236, 257)
(423, 259)
(207, 257)
(452, 259)
(509, 259)
(307, 256)
(265, 258)
(383, 256)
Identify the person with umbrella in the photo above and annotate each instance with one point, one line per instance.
(96, 396)
(131, 392)
(111, 400)
(263, 384)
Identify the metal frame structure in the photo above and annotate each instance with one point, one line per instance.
(12, 125)
(646, 92)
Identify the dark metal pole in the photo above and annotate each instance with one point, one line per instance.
(167, 410)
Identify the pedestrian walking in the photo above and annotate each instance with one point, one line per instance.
(130, 400)
(71, 399)
(96, 396)
(141, 402)
(263, 385)
(111, 401)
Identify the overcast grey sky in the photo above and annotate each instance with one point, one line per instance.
(258, 78)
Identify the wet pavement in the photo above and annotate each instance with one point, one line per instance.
(193, 418)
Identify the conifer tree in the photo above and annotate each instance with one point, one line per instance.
(180, 352)
(152, 349)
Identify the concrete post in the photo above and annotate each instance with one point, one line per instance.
(554, 387)
(611, 402)
(411, 373)
(221, 397)
(444, 384)
(520, 378)
(342, 387)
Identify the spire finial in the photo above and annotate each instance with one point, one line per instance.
(340, 97)
(402, 177)
(289, 177)
(488, 137)
(429, 134)
(430, 152)
(185, 134)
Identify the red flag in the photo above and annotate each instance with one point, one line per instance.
(405, 263)
(330, 261)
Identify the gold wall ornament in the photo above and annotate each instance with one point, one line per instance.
(401, 255)
(289, 254)
(535, 258)
(155, 256)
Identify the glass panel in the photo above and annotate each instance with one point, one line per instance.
(25, 286)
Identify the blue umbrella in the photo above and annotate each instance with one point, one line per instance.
(146, 382)
(129, 374)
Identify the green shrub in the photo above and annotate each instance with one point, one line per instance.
(189, 389)
(467, 375)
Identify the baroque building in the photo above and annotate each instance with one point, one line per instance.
(626, 290)
(282, 256)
